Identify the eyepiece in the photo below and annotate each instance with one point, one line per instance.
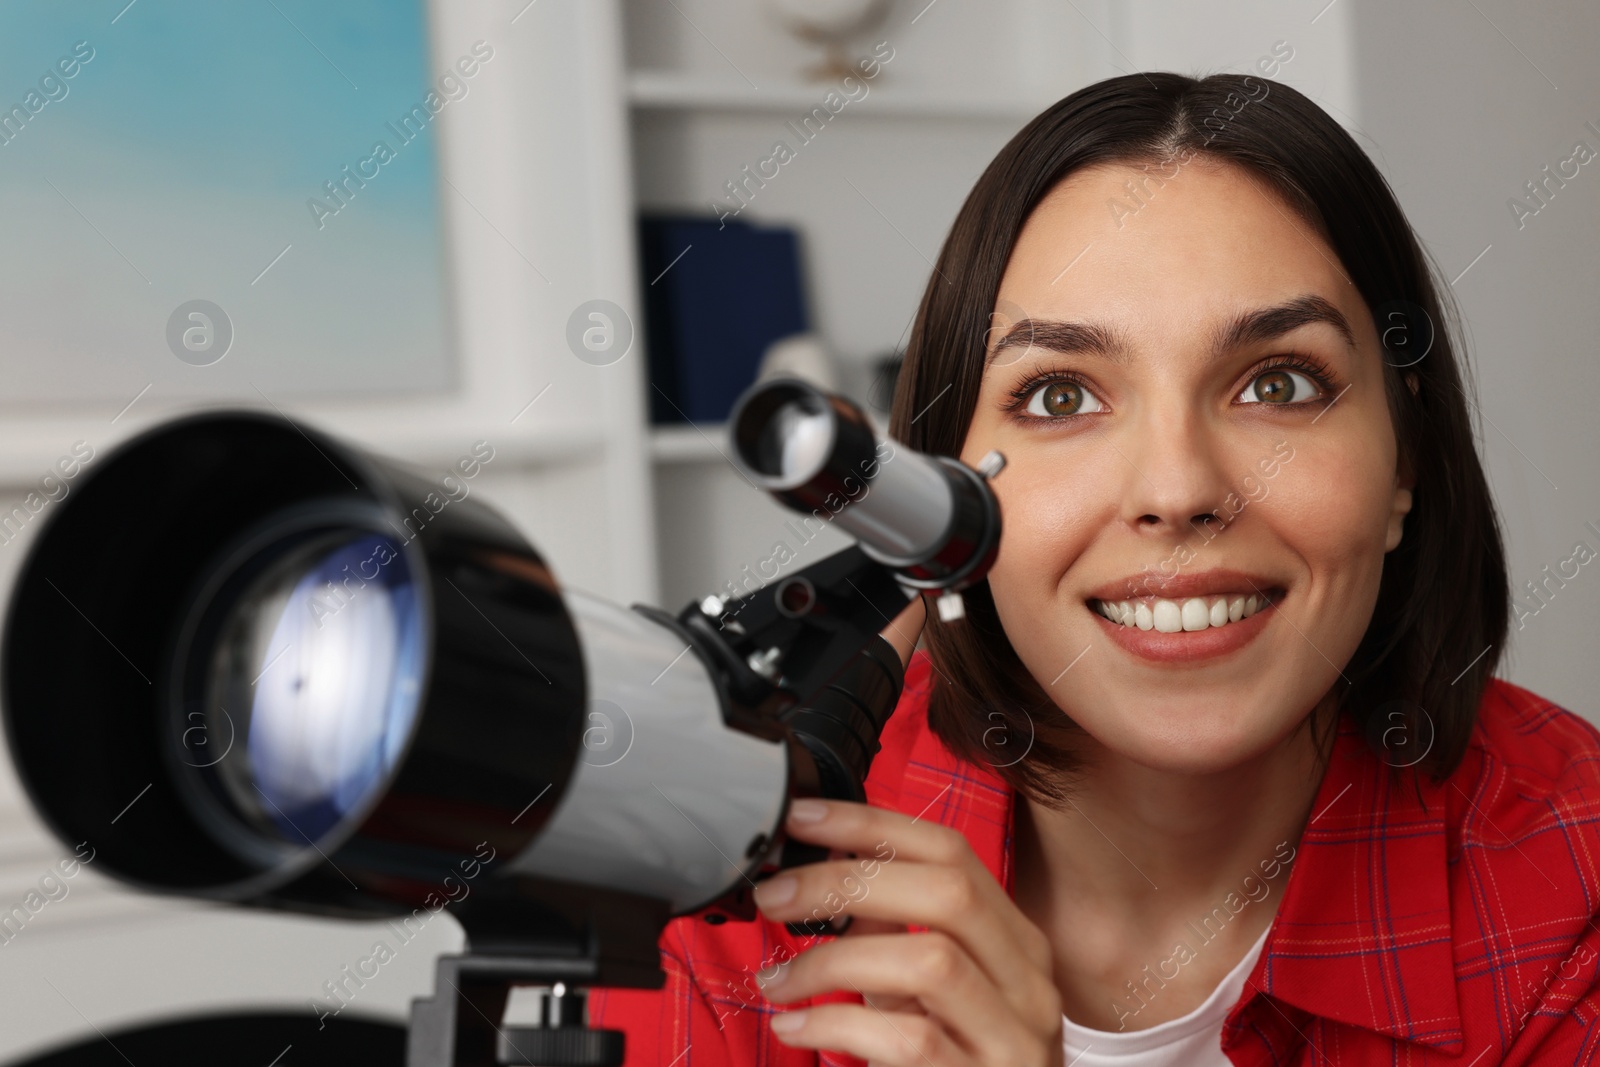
(931, 518)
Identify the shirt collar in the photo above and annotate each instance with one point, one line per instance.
(1362, 935)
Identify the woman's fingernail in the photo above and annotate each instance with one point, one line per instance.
(804, 810)
(776, 891)
(787, 1022)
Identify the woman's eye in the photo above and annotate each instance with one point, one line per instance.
(1059, 398)
(1280, 386)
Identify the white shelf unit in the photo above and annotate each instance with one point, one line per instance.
(689, 443)
(670, 90)
(712, 86)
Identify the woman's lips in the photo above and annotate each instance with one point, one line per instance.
(1194, 628)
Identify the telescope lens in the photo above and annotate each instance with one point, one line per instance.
(312, 681)
(795, 442)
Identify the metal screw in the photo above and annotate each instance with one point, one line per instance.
(765, 663)
(951, 607)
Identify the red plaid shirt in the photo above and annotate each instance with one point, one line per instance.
(1460, 930)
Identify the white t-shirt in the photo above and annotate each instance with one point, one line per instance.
(1194, 1040)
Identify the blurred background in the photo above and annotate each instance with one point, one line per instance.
(571, 231)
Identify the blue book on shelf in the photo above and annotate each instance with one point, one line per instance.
(716, 295)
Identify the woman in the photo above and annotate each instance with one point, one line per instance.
(1214, 770)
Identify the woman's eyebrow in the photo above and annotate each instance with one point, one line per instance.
(1264, 324)
(1250, 327)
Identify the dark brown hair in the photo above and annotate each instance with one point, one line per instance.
(1414, 684)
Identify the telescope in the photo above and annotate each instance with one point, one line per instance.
(312, 679)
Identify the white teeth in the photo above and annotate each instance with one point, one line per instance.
(1174, 616)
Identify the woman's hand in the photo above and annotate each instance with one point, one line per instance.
(974, 989)
(906, 628)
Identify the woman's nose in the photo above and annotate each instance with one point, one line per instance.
(1176, 475)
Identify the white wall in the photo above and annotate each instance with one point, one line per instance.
(1467, 103)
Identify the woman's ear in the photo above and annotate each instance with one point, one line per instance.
(1404, 481)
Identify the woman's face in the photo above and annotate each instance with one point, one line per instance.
(1187, 425)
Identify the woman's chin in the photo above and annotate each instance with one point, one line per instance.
(1181, 737)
